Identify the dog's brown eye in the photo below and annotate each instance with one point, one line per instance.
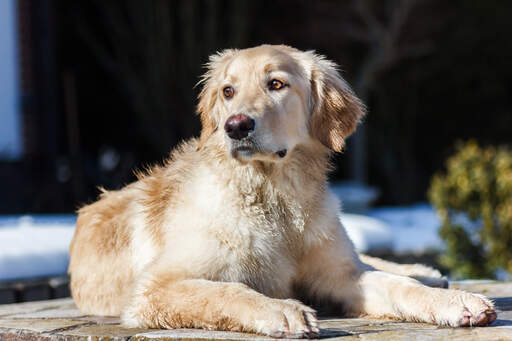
(275, 84)
(228, 92)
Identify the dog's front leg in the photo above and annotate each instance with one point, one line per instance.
(332, 271)
(163, 302)
(402, 297)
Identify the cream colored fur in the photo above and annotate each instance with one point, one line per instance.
(221, 238)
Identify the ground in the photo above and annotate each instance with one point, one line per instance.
(60, 320)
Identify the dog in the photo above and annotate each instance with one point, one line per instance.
(227, 232)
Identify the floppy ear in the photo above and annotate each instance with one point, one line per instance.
(209, 93)
(336, 109)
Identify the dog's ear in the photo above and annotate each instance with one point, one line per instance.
(209, 94)
(336, 110)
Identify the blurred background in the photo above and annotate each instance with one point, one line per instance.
(91, 90)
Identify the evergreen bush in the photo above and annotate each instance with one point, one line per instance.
(474, 201)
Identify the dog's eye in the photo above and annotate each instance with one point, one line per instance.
(228, 92)
(275, 84)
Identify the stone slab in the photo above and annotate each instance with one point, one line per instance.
(100, 332)
(488, 288)
(39, 325)
(32, 307)
(61, 320)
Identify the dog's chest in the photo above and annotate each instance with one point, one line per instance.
(260, 245)
(256, 234)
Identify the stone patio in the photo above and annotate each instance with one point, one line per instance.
(60, 320)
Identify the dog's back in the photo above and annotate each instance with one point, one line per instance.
(100, 253)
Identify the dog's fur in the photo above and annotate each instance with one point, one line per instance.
(223, 233)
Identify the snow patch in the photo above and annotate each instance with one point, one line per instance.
(414, 228)
(34, 246)
(367, 233)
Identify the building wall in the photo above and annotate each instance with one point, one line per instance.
(10, 129)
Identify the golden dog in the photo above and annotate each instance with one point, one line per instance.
(221, 236)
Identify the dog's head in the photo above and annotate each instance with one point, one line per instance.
(264, 101)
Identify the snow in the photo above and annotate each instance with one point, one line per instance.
(37, 245)
(356, 197)
(414, 228)
(367, 233)
(399, 229)
(34, 246)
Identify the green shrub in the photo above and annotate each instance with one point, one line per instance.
(474, 201)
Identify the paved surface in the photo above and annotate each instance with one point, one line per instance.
(60, 320)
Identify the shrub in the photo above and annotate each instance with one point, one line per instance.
(474, 201)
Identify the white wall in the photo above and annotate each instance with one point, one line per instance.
(10, 129)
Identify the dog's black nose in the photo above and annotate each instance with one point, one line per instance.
(239, 126)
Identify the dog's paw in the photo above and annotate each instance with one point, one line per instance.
(286, 319)
(464, 309)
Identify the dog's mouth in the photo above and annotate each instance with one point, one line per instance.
(248, 150)
(243, 151)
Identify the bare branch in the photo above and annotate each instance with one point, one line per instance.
(413, 51)
(400, 15)
(376, 29)
(356, 34)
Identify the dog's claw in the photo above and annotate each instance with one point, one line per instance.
(465, 321)
(481, 320)
(491, 316)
